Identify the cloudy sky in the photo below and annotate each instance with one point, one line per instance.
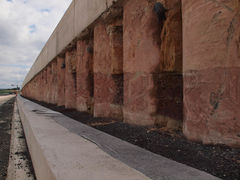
(25, 26)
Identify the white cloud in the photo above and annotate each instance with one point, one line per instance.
(25, 26)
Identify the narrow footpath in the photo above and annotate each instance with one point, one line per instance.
(15, 161)
(6, 112)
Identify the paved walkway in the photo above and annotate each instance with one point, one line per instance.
(62, 148)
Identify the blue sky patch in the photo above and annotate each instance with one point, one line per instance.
(33, 28)
(45, 10)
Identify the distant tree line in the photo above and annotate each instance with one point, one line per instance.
(9, 90)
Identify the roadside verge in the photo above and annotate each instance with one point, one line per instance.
(20, 166)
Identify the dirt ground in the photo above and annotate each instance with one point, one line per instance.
(21, 154)
(20, 165)
(6, 112)
(218, 160)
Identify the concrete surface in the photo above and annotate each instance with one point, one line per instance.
(52, 46)
(62, 148)
(65, 28)
(78, 17)
(19, 167)
(58, 153)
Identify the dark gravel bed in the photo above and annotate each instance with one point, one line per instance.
(218, 160)
(6, 112)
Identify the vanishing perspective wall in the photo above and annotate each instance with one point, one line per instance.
(169, 64)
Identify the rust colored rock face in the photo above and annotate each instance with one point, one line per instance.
(54, 82)
(108, 95)
(141, 37)
(49, 81)
(141, 57)
(211, 32)
(85, 76)
(152, 64)
(45, 87)
(70, 79)
(138, 104)
(61, 66)
(171, 38)
(41, 86)
(212, 104)
(145, 66)
(108, 74)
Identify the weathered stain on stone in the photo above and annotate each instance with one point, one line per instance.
(61, 81)
(152, 54)
(70, 79)
(108, 69)
(212, 107)
(85, 83)
(222, 4)
(118, 97)
(215, 98)
(160, 12)
(168, 94)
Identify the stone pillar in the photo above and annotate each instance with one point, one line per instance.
(70, 79)
(211, 54)
(38, 86)
(152, 64)
(61, 66)
(54, 82)
(108, 74)
(85, 76)
(41, 90)
(34, 88)
(45, 87)
(48, 83)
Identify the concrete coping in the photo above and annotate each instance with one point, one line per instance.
(79, 15)
(62, 148)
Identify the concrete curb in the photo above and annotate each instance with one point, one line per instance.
(62, 148)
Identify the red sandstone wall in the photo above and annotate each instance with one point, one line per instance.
(61, 81)
(50, 84)
(141, 57)
(85, 82)
(41, 88)
(44, 84)
(70, 79)
(108, 77)
(54, 87)
(133, 69)
(211, 31)
(152, 64)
